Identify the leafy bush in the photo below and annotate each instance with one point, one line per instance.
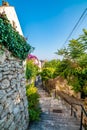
(31, 69)
(12, 40)
(33, 99)
(47, 73)
(52, 64)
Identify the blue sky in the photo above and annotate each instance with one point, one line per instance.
(47, 23)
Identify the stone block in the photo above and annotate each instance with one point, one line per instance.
(5, 68)
(8, 122)
(17, 99)
(12, 126)
(2, 93)
(1, 108)
(8, 90)
(13, 81)
(5, 83)
(1, 69)
(10, 93)
(2, 58)
(0, 75)
(4, 113)
(21, 106)
(6, 72)
(16, 110)
(12, 69)
(2, 122)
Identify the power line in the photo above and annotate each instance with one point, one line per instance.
(81, 22)
(75, 26)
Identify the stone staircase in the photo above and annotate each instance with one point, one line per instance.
(55, 114)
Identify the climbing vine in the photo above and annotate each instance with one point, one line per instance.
(12, 40)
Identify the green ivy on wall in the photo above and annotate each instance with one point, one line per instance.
(12, 40)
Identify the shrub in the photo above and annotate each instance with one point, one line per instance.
(31, 70)
(33, 99)
(48, 70)
(47, 73)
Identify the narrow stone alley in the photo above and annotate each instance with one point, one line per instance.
(55, 114)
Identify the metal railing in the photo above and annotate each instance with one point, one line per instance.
(82, 111)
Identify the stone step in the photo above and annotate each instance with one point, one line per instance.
(57, 110)
(56, 120)
(60, 122)
(58, 115)
(52, 126)
(55, 114)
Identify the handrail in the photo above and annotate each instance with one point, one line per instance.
(81, 107)
(82, 110)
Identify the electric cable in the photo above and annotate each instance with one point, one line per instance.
(75, 26)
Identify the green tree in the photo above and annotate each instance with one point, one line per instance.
(74, 63)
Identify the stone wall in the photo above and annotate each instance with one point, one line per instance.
(60, 84)
(13, 100)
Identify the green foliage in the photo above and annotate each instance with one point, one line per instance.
(12, 40)
(74, 50)
(1, 50)
(33, 99)
(63, 69)
(52, 64)
(49, 69)
(31, 69)
(73, 67)
(47, 73)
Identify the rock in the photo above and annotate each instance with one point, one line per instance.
(8, 90)
(13, 81)
(2, 93)
(1, 108)
(5, 68)
(12, 127)
(5, 83)
(10, 93)
(2, 122)
(0, 75)
(2, 58)
(16, 110)
(17, 99)
(6, 72)
(8, 122)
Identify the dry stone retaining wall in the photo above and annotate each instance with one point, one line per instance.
(60, 84)
(13, 100)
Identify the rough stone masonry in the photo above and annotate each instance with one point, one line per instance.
(13, 100)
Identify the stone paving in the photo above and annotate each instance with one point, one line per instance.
(55, 114)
